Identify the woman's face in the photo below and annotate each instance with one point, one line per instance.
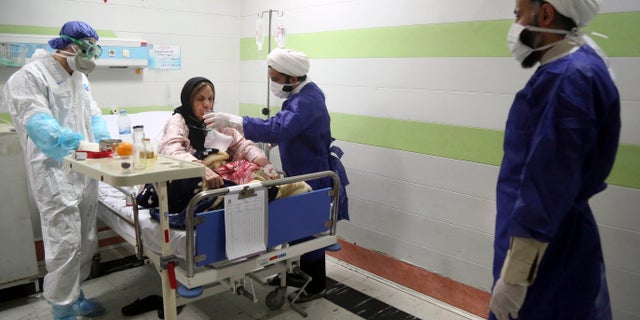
(203, 102)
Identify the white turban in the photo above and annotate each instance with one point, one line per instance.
(290, 62)
(581, 11)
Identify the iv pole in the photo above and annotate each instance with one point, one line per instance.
(267, 110)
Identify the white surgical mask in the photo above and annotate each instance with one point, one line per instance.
(281, 90)
(521, 51)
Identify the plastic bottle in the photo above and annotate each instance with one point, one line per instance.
(124, 126)
(139, 151)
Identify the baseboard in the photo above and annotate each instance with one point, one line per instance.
(454, 293)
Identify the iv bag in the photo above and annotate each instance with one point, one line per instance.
(281, 35)
(259, 34)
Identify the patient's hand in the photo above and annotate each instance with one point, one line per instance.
(267, 167)
(212, 179)
(271, 171)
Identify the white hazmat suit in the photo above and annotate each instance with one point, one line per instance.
(65, 199)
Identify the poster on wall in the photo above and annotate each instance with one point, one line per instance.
(164, 57)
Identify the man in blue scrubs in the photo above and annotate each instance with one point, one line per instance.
(303, 134)
(560, 144)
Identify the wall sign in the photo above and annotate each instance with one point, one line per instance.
(164, 57)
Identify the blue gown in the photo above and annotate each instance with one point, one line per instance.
(560, 144)
(303, 134)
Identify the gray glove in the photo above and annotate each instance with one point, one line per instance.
(507, 299)
(217, 120)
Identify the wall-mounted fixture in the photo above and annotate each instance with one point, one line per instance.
(17, 49)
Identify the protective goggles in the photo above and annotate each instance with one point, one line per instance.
(88, 49)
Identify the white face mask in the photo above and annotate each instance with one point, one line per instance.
(84, 65)
(521, 51)
(281, 90)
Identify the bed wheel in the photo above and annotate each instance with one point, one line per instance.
(275, 298)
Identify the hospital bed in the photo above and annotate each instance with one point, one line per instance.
(197, 256)
(197, 264)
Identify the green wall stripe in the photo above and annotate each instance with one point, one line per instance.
(253, 110)
(622, 32)
(626, 172)
(5, 117)
(130, 110)
(459, 39)
(448, 141)
(133, 110)
(52, 31)
(455, 142)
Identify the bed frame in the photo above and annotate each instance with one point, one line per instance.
(205, 269)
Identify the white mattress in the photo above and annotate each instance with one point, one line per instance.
(112, 199)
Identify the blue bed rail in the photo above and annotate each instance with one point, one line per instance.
(288, 219)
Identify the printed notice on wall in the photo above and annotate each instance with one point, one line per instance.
(165, 57)
(244, 221)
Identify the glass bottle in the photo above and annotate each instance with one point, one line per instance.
(139, 151)
(149, 148)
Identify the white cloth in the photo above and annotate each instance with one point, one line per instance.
(66, 200)
(290, 62)
(581, 11)
(217, 140)
(88, 146)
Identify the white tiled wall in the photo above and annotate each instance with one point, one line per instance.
(432, 212)
(439, 213)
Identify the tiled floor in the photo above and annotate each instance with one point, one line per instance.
(123, 287)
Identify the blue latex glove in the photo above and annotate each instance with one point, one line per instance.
(99, 126)
(55, 141)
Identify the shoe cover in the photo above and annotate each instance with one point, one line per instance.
(63, 312)
(87, 307)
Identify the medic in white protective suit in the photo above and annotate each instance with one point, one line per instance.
(53, 111)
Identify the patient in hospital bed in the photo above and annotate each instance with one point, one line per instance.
(229, 158)
(185, 136)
